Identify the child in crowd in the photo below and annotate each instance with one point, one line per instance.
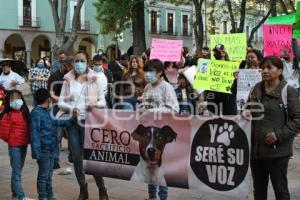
(15, 131)
(159, 96)
(44, 142)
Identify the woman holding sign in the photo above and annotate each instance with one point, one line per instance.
(273, 129)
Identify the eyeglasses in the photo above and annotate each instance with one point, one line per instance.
(77, 61)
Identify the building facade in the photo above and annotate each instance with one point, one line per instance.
(162, 20)
(27, 29)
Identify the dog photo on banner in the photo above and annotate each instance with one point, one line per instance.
(208, 154)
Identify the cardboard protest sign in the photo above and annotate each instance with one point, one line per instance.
(166, 50)
(215, 75)
(277, 38)
(210, 154)
(235, 45)
(246, 80)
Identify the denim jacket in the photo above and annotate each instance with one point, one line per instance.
(44, 131)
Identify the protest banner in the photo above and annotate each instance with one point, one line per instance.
(215, 75)
(235, 45)
(190, 74)
(166, 50)
(277, 38)
(208, 154)
(246, 80)
(284, 19)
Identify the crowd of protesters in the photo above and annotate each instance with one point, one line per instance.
(136, 83)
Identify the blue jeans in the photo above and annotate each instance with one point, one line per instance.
(44, 180)
(76, 142)
(163, 192)
(17, 159)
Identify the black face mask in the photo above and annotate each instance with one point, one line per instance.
(6, 73)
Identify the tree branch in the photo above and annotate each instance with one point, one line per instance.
(260, 23)
(283, 6)
(291, 4)
(54, 10)
(75, 22)
(63, 14)
(243, 16)
(232, 20)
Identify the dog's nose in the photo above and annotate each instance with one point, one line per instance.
(151, 154)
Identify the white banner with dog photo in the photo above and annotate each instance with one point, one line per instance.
(208, 154)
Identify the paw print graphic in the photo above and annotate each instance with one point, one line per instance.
(225, 134)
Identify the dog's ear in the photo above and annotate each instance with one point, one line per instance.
(137, 134)
(168, 131)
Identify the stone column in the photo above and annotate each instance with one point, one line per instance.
(1, 53)
(28, 59)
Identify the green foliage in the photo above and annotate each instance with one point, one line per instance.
(114, 15)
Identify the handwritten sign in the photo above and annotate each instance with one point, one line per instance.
(215, 75)
(246, 80)
(276, 38)
(166, 50)
(235, 45)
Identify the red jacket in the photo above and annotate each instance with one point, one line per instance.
(14, 129)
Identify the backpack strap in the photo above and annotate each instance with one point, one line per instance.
(284, 95)
(284, 99)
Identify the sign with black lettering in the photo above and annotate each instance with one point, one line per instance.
(220, 154)
(209, 154)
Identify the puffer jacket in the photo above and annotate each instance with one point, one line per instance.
(14, 129)
(285, 122)
(44, 131)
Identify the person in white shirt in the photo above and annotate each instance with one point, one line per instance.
(101, 78)
(9, 79)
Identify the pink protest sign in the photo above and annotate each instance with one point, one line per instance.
(277, 38)
(166, 50)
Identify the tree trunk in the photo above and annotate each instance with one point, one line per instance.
(232, 20)
(138, 28)
(242, 17)
(260, 23)
(198, 25)
(60, 25)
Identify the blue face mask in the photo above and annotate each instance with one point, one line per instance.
(40, 65)
(16, 104)
(97, 68)
(80, 67)
(150, 77)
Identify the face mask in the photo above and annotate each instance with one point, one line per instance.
(16, 104)
(40, 65)
(6, 73)
(97, 68)
(80, 67)
(150, 77)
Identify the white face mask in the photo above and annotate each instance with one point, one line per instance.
(150, 77)
(80, 67)
(16, 104)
